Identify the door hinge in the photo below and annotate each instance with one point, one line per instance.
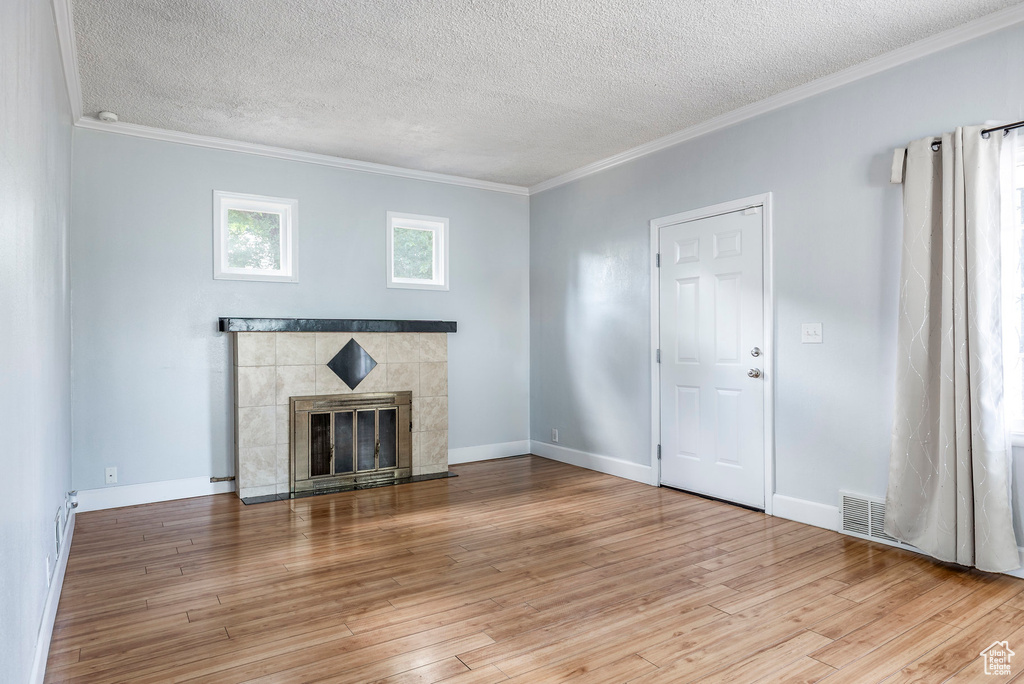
(657, 356)
(657, 260)
(659, 452)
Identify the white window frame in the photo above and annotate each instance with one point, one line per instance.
(287, 208)
(438, 225)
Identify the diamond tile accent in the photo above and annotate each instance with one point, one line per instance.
(352, 364)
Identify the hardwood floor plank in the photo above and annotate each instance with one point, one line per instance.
(958, 651)
(861, 589)
(553, 663)
(428, 674)
(707, 650)
(892, 656)
(60, 659)
(975, 673)
(814, 564)
(120, 660)
(784, 595)
(581, 646)
(593, 672)
(485, 675)
(769, 660)
(340, 670)
(806, 670)
(878, 606)
(980, 603)
(855, 644)
(211, 658)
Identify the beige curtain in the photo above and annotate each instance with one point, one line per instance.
(949, 464)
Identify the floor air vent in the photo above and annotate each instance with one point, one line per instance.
(865, 518)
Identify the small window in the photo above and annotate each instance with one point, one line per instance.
(417, 249)
(254, 237)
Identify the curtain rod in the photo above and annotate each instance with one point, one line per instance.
(1005, 129)
(985, 133)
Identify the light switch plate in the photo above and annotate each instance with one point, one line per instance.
(810, 333)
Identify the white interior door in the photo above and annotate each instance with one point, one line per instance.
(712, 362)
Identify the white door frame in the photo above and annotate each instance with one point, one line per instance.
(765, 202)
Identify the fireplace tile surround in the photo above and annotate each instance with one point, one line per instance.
(270, 367)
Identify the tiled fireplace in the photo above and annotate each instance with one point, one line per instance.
(278, 359)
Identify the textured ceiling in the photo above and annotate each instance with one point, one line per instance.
(514, 91)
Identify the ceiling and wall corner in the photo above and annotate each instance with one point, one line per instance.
(63, 18)
(150, 133)
(510, 94)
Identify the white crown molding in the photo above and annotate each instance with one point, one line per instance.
(64, 22)
(292, 155)
(922, 48)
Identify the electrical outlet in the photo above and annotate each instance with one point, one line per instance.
(554, 435)
(111, 475)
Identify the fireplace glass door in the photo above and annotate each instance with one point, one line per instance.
(348, 438)
(347, 442)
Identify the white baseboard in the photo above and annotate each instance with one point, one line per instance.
(50, 607)
(486, 452)
(149, 492)
(602, 464)
(807, 512)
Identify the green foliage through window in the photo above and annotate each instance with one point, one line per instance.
(413, 253)
(254, 240)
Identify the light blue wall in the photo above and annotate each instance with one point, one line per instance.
(35, 336)
(837, 231)
(152, 385)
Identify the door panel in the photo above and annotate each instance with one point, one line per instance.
(687, 306)
(712, 412)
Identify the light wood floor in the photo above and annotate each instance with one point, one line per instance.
(520, 570)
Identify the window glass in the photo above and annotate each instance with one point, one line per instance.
(254, 240)
(414, 253)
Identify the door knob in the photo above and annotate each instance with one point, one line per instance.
(755, 352)
(754, 372)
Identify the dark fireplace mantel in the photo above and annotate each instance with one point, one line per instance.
(333, 325)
